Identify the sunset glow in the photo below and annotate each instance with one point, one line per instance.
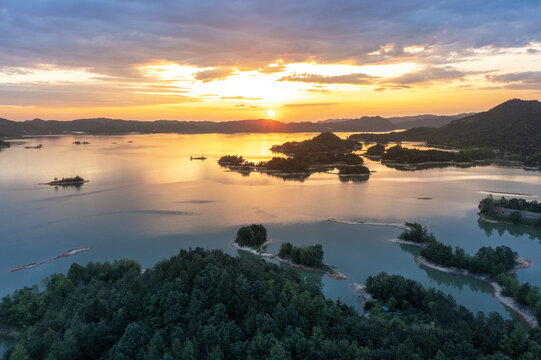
(238, 71)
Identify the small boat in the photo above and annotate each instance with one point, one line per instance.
(39, 146)
(198, 158)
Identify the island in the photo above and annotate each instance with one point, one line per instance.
(375, 150)
(77, 180)
(63, 255)
(253, 239)
(4, 144)
(81, 143)
(514, 210)
(322, 153)
(493, 266)
(38, 146)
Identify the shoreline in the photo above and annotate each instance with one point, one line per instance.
(329, 271)
(63, 255)
(525, 313)
(406, 242)
(346, 222)
(491, 220)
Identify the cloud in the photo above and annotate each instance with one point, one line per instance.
(356, 79)
(213, 74)
(300, 105)
(239, 98)
(429, 74)
(113, 36)
(528, 80)
(528, 77)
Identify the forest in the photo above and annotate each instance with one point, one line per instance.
(511, 210)
(311, 255)
(400, 154)
(254, 236)
(205, 304)
(416, 233)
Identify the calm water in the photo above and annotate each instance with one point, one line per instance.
(146, 200)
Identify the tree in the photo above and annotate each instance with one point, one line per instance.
(515, 217)
(19, 353)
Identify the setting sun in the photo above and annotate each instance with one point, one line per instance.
(271, 113)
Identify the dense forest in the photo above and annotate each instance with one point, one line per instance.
(208, 305)
(403, 155)
(326, 142)
(252, 236)
(311, 256)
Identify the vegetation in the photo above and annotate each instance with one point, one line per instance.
(524, 294)
(416, 233)
(326, 142)
(324, 149)
(73, 180)
(452, 331)
(376, 150)
(311, 256)
(511, 209)
(413, 156)
(487, 260)
(252, 236)
(208, 305)
(354, 170)
(4, 144)
(231, 160)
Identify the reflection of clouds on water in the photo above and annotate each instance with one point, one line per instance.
(195, 201)
(121, 212)
(68, 196)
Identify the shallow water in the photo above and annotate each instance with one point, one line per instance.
(146, 200)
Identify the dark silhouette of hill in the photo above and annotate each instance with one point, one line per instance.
(514, 125)
(10, 128)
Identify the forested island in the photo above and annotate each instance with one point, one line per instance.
(321, 153)
(253, 239)
(399, 154)
(205, 304)
(515, 210)
(76, 180)
(492, 265)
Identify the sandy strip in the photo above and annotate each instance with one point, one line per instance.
(33, 265)
(346, 222)
(523, 311)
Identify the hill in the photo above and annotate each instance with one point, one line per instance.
(513, 126)
(10, 128)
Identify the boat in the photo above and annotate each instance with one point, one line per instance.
(39, 146)
(198, 158)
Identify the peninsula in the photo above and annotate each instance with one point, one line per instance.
(253, 239)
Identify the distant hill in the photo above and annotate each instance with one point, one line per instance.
(428, 120)
(10, 128)
(514, 125)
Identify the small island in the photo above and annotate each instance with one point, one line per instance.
(38, 146)
(375, 150)
(253, 239)
(494, 266)
(515, 210)
(81, 143)
(319, 154)
(77, 180)
(4, 144)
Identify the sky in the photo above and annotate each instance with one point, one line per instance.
(302, 60)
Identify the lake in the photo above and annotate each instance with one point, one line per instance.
(146, 200)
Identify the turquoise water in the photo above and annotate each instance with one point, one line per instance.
(146, 200)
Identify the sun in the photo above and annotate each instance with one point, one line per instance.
(271, 113)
